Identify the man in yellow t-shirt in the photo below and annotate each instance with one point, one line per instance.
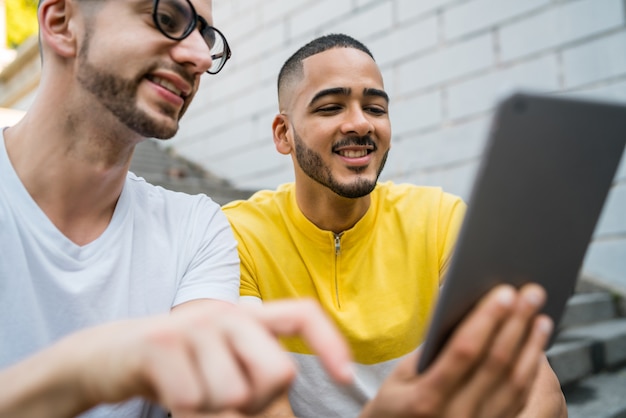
(373, 254)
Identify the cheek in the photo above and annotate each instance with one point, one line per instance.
(383, 132)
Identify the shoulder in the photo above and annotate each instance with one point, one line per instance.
(162, 202)
(263, 203)
(410, 196)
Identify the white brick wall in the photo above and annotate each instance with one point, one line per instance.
(445, 63)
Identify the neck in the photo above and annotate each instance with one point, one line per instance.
(74, 171)
(329, 211)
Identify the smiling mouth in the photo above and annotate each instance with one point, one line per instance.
(166, 84)
(354, 153)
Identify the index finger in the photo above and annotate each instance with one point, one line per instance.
(305, 318)
(471, 339)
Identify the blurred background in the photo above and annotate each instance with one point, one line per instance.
(446, 63)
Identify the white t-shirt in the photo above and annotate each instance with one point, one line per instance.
(161, 249)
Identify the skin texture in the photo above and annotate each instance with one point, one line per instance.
(109, 80)
(204, 357)
(329, 115)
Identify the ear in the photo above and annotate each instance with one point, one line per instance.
(280, 129)
(56, 28)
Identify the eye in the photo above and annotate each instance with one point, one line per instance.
(376, 110)
(329, 109)
(171, 19)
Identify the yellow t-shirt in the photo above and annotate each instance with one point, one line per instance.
(378, 280)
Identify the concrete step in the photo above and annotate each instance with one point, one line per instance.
(586, 308)
(582, 351)
(160, 167)
(571, 361)
(599, 396)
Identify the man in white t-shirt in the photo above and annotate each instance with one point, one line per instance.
(93, 258)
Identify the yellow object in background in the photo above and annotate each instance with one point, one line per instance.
(21, 20)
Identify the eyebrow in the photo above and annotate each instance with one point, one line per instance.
(344, 91)
(377, 93)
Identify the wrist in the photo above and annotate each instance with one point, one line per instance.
(45, 384)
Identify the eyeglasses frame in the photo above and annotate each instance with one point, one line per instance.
(203, 25)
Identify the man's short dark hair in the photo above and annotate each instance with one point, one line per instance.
(293, 66)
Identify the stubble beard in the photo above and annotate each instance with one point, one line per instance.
(313, 166)
(119, 96)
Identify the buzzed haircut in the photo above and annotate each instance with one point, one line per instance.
(293, 67)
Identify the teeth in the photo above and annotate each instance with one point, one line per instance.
(353, 154)
(168, 85)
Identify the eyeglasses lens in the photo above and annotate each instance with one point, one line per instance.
(217, 46)
(177, 19)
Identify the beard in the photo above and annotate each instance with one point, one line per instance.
(314, 167)
(119, 96)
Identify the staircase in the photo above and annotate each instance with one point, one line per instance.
(589, 354)
(163, 168)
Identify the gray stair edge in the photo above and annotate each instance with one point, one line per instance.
(598, 396)
(589, 283)
(582, 351)
(586, 308)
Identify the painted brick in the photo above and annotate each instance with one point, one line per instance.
(241, 24)
(223, 11)
(365, 24)
(270, 180)
(409, 9)
(274, 10)
(446, 147)
(479, 15)
(267, 39)
(481, 93)
(262, 131)
(415, 113)
(457, 180)
(595, 60)
(405, 41)
(362, 3)
(306, 20)
(230, 82)
(613, 218)
(217, 144)
(445, 64)
(249, 162)
(615, 91)
(564, 23)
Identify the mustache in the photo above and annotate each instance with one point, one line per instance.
(173, 67)
(357, 141)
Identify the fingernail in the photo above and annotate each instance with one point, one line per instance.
(505, 296)
(546, 325)
(534, 296)
(347, 372)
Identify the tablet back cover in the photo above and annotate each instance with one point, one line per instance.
(547, 169)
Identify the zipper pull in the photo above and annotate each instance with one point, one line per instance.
(337, 244)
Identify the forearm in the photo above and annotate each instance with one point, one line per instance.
(45, 384)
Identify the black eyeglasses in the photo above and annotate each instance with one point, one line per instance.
(177, 19)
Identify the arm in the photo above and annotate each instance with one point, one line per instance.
(278, 409)
(486, 369)
(205, 358)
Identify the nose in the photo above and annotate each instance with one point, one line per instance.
(356, 122)
(193, 51)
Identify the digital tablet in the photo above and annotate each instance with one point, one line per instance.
(547, 168)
